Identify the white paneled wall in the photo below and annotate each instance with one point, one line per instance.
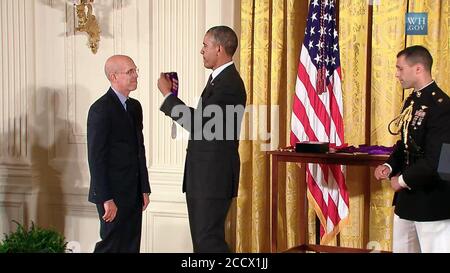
(49, 78)
(16, 85)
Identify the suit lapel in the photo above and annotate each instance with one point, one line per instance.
(210, 86)
(120, 110)
(207, 91)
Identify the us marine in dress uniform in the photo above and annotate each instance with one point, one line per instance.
(422, 199)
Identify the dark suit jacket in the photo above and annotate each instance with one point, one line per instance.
(212, 165)
(116, 151)
(429, 197)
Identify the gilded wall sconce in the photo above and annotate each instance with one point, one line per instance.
(87, 22)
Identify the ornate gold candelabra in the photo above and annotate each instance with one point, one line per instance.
(87, 22)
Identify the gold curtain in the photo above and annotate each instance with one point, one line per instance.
(272, 31)
(353, 31)
(388, 39)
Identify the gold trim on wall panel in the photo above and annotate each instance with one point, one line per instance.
(14, 81)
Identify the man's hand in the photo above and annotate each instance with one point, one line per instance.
(146, 200)
(164, 84)
(395, 185)
(382, 172)
(110, 211)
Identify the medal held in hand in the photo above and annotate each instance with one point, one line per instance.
(173, 76)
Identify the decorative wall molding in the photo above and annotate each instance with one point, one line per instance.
(80, 210)
(16, 205)
(16, 81)
(15, 170)
(177, 31)
(167, 194)
(9, 211)
(169, 232)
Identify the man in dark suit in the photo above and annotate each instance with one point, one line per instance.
(211, 173)
(117, 163)
(422, 199)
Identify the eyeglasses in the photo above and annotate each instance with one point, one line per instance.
(131, 72)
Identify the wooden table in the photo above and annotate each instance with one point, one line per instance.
(324, 158)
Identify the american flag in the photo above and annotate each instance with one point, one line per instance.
(317, 115)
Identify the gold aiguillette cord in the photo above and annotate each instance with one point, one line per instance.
(401, 123)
